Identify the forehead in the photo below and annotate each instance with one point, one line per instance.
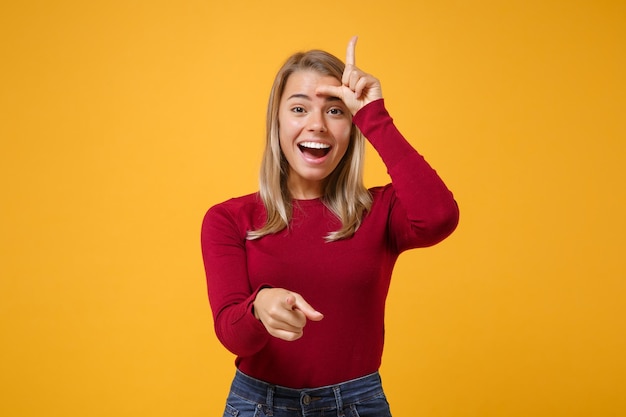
(306, 82)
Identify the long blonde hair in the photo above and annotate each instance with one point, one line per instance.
(344, 192)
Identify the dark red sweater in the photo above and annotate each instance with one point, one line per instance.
(347, 280)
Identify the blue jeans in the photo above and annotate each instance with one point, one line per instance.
(362, 397)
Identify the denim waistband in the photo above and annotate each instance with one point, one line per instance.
(329, 397)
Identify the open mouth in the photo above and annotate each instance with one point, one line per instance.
(314, 149)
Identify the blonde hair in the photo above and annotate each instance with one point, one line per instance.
(344, 192)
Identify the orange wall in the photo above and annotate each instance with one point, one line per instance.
(121, 122)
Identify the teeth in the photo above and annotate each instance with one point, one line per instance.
(314, 145)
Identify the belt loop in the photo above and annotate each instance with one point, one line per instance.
(337, 392)
(269, 401)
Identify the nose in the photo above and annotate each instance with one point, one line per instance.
(317, 122)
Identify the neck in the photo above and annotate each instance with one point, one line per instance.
(305, 190)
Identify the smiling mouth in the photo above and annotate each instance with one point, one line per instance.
(314, 149)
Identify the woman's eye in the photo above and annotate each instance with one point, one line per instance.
(298, 109)
(335, 111)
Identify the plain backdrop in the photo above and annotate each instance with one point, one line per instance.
(122, 122)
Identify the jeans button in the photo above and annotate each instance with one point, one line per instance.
(306, 400)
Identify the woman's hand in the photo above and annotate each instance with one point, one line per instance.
(284, 313)
(358, 88)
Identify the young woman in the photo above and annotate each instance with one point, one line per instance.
(314, 247)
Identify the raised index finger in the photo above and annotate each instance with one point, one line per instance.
(350, 51)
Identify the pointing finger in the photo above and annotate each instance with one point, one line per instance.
(309, 312)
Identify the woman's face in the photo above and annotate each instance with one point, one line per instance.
(314, 132)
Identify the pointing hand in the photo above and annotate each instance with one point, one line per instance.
(284, 313)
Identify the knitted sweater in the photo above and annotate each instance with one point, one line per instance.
(346, 280)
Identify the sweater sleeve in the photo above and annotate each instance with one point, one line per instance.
(230, 295)
(422, 209)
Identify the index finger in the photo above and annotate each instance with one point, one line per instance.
(307, 309)
(350, 51)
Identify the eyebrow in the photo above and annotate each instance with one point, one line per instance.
(304, 96)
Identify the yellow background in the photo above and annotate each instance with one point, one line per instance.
(121, 122)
